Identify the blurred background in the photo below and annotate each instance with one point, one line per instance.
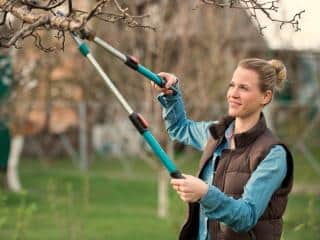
(79, 170)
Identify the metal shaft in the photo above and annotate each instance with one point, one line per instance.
(86, 52)
(111, 49)
(112, 87)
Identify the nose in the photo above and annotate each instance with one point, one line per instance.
(233, 92)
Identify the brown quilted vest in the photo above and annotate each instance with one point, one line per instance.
(232, 173)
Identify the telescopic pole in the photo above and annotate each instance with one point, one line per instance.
(137, 120)
(130, 61)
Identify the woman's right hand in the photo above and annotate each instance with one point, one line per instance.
(170, 80)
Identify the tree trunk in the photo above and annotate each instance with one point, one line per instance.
(13, 163)
(163, 193)
(83, 137)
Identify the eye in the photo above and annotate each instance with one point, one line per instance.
(243, 87)
(231, 85)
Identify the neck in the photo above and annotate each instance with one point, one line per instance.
(244, 124)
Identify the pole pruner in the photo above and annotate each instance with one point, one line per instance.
(137, 120)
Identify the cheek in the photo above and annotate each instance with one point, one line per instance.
(228, 94)
(252, 101)
(252, 96)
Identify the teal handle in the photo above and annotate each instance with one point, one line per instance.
(155, 146)
(153, 77)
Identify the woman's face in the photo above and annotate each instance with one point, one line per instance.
(244, 95)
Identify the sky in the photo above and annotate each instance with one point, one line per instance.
(306, 39)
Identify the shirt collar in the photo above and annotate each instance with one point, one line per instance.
(229, 133)
(218, 130)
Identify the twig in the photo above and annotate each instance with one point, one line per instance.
(45, 17)
(268, 8)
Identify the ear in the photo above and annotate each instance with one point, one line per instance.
(267, 97)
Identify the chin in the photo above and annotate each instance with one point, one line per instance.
(232, 113)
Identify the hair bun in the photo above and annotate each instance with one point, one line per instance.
(281, 72)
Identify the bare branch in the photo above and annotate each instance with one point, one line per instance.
(267, 8)
(38, 42)
(24, 32)
(36, 5)
(96, 9)
(70, 7)
(4, 18)
(37, 15)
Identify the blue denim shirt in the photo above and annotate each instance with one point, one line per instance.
(241, 214)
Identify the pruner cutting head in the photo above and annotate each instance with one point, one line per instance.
(87, 34)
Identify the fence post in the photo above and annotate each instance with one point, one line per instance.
(83, 137)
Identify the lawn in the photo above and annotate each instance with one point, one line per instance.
(109, 202)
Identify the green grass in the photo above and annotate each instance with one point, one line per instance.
(303, 171)
(63, 203)
(302, 218)
(108, 202)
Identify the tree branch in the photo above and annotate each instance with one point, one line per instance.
(267, 8)
(37, 15)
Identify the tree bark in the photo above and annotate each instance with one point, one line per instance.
(13, 163)
(163, 193)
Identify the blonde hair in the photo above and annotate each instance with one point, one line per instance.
(272, 73)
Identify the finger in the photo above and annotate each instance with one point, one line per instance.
(182, 189)
(169, 78)
(176, 181)
(155, 86)
(175, 186)
(178, 190)
(180, 181)
(163, 90)
(167, 91)
(170, 82)
(164, 74)
(167, 87)
(165, 77)
(185, 190)
(182, 198)
(185, 197)
(190, 198)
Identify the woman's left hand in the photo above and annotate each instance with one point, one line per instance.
(190, 189)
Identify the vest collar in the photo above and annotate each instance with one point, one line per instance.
(244, 139)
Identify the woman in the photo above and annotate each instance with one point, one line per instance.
(245, 173)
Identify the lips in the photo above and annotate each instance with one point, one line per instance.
(234, 104)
